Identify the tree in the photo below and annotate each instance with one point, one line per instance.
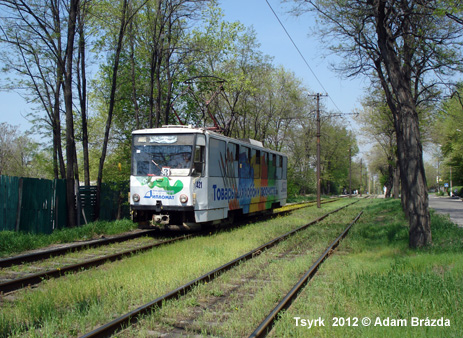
(448, 133)
(163, 28)
(81, 71)
(125, 18)
(19, 155)
(378, 125)
(220, 71)
(72, 173)
(32, 33)
(404, 43)
(336, 144)
(42, 33)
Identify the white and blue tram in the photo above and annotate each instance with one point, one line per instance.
(183, 175)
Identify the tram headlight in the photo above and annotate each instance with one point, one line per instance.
(183, 198)
(136, 198)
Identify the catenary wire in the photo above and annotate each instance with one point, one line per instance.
(300, 53)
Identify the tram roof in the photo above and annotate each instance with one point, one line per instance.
(174, 129)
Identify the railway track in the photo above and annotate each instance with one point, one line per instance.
(134, 316)
(12, 279)
(267, 324)
(45, 254)
(28, 279)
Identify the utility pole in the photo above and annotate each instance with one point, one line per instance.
(318, 153)
(360, 189)
(350, 171)
(369, 183)
(451, 187)
(438, 178)
(317, 96)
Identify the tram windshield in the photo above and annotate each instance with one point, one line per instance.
(162, 155)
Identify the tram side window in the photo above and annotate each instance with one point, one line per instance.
(199, 155)
(264, 165)
(217, 154)
(285, 167)
(279, 167)
(232, 159)
(245, 169)
(271, 166)
(255, 162)
(199, 161)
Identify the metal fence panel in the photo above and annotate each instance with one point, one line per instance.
(39, 205)
(59, 204)
(37, 199)
(114, 200)
(87, 195)
(9, 198)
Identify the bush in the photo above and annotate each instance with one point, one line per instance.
(458, 190)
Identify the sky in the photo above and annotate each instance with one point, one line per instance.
(343, 95)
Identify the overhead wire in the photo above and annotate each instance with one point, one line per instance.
(302, 56)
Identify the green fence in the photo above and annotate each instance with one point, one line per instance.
(32, 204)
(87, 203)
(113, 205)
(114, 200)
(39, 205)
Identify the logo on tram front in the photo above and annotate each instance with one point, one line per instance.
(162, 183)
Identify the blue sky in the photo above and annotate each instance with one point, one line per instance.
(274, 42)
(343, 94)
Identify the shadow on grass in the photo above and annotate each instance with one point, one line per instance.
(446, 235)
(16, 242)
(385, 224)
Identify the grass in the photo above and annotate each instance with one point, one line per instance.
(237, 301)
(12, 242)
(374, 274)
(76, 304)
(16, 242)
(304, 198)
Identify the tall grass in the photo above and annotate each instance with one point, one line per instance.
(16, 242)
(72, 305)
(238, 300)
(374, 274)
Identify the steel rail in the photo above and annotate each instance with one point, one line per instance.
(45, 254)
(37, 256)
(297, 206)
(33, 279)
(132, 317)
(266, 325)
(19, 283)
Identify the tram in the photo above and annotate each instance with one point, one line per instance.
(182, 175)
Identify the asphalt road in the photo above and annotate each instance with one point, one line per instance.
(448, 206)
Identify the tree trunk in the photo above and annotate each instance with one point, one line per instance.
(132, 74)
(82, 87)
(388, 186)
(390, 174)
(414, 194)
(112, 100)
(70, 142)
(60, 69)
(396, 184)
(417, 199)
